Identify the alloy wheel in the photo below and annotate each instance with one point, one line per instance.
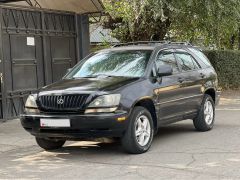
(142, 130)
(208, 112)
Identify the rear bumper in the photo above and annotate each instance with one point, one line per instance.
(81, 126)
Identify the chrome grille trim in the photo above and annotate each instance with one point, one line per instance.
(71, 102)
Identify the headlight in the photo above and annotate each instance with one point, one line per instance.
(105, 103)
(31, 105)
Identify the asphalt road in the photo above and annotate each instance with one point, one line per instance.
(178, 152)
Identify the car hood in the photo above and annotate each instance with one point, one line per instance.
(87, 85)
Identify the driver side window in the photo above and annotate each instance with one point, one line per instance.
(166, 57)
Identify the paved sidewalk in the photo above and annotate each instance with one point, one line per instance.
(178, 152)
(230, 100)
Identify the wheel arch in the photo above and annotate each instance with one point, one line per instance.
(211, 92)
(147, 103)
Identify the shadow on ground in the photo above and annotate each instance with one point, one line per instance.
(99, 148)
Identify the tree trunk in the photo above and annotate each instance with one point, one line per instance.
(239, 39)
(232, 41)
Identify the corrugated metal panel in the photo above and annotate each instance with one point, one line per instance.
(78, 6)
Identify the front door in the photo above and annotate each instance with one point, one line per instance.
(168, 89)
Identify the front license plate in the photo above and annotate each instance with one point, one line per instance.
(54, 122)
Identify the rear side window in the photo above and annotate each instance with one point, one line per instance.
(186, 62)
(166, 57)
(201, 56)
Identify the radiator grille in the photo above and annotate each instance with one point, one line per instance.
(62, 102)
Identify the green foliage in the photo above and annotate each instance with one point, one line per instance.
(215, 21)
(137, 19)
(227, 65)
(212, 21)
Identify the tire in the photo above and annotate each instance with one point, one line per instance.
(206, 115)
(140, 122)
(49, 144)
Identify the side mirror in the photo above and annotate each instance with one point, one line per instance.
(164, 70)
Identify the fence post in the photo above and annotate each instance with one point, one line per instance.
(83, 36)
(2, 72)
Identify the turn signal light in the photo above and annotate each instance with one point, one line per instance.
(120, 119)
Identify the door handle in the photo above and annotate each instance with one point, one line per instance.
(180, 80)
(202, 75)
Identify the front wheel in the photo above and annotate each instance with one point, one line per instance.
(48, 144)
(206, 115)
(138, 137)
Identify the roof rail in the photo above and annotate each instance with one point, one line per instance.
(150, 43)
(183, 43)
(140, 42)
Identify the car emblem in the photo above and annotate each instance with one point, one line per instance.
(60, 101)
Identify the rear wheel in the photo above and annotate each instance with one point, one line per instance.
(49, 144)
(138, 137)
(206, 115)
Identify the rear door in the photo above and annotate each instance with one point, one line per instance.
(191, 81)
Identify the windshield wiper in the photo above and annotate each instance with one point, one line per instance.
(90, 76)
(98, 75)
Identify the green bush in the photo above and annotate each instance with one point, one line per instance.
(227, 65)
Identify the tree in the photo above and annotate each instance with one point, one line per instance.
(215, 21)
(136, 20)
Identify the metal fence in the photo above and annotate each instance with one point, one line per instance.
(36, 48)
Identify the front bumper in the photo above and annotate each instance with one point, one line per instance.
(82, 126)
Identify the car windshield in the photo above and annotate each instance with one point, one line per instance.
(130, 63)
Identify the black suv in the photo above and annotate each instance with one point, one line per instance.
(125, 92)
